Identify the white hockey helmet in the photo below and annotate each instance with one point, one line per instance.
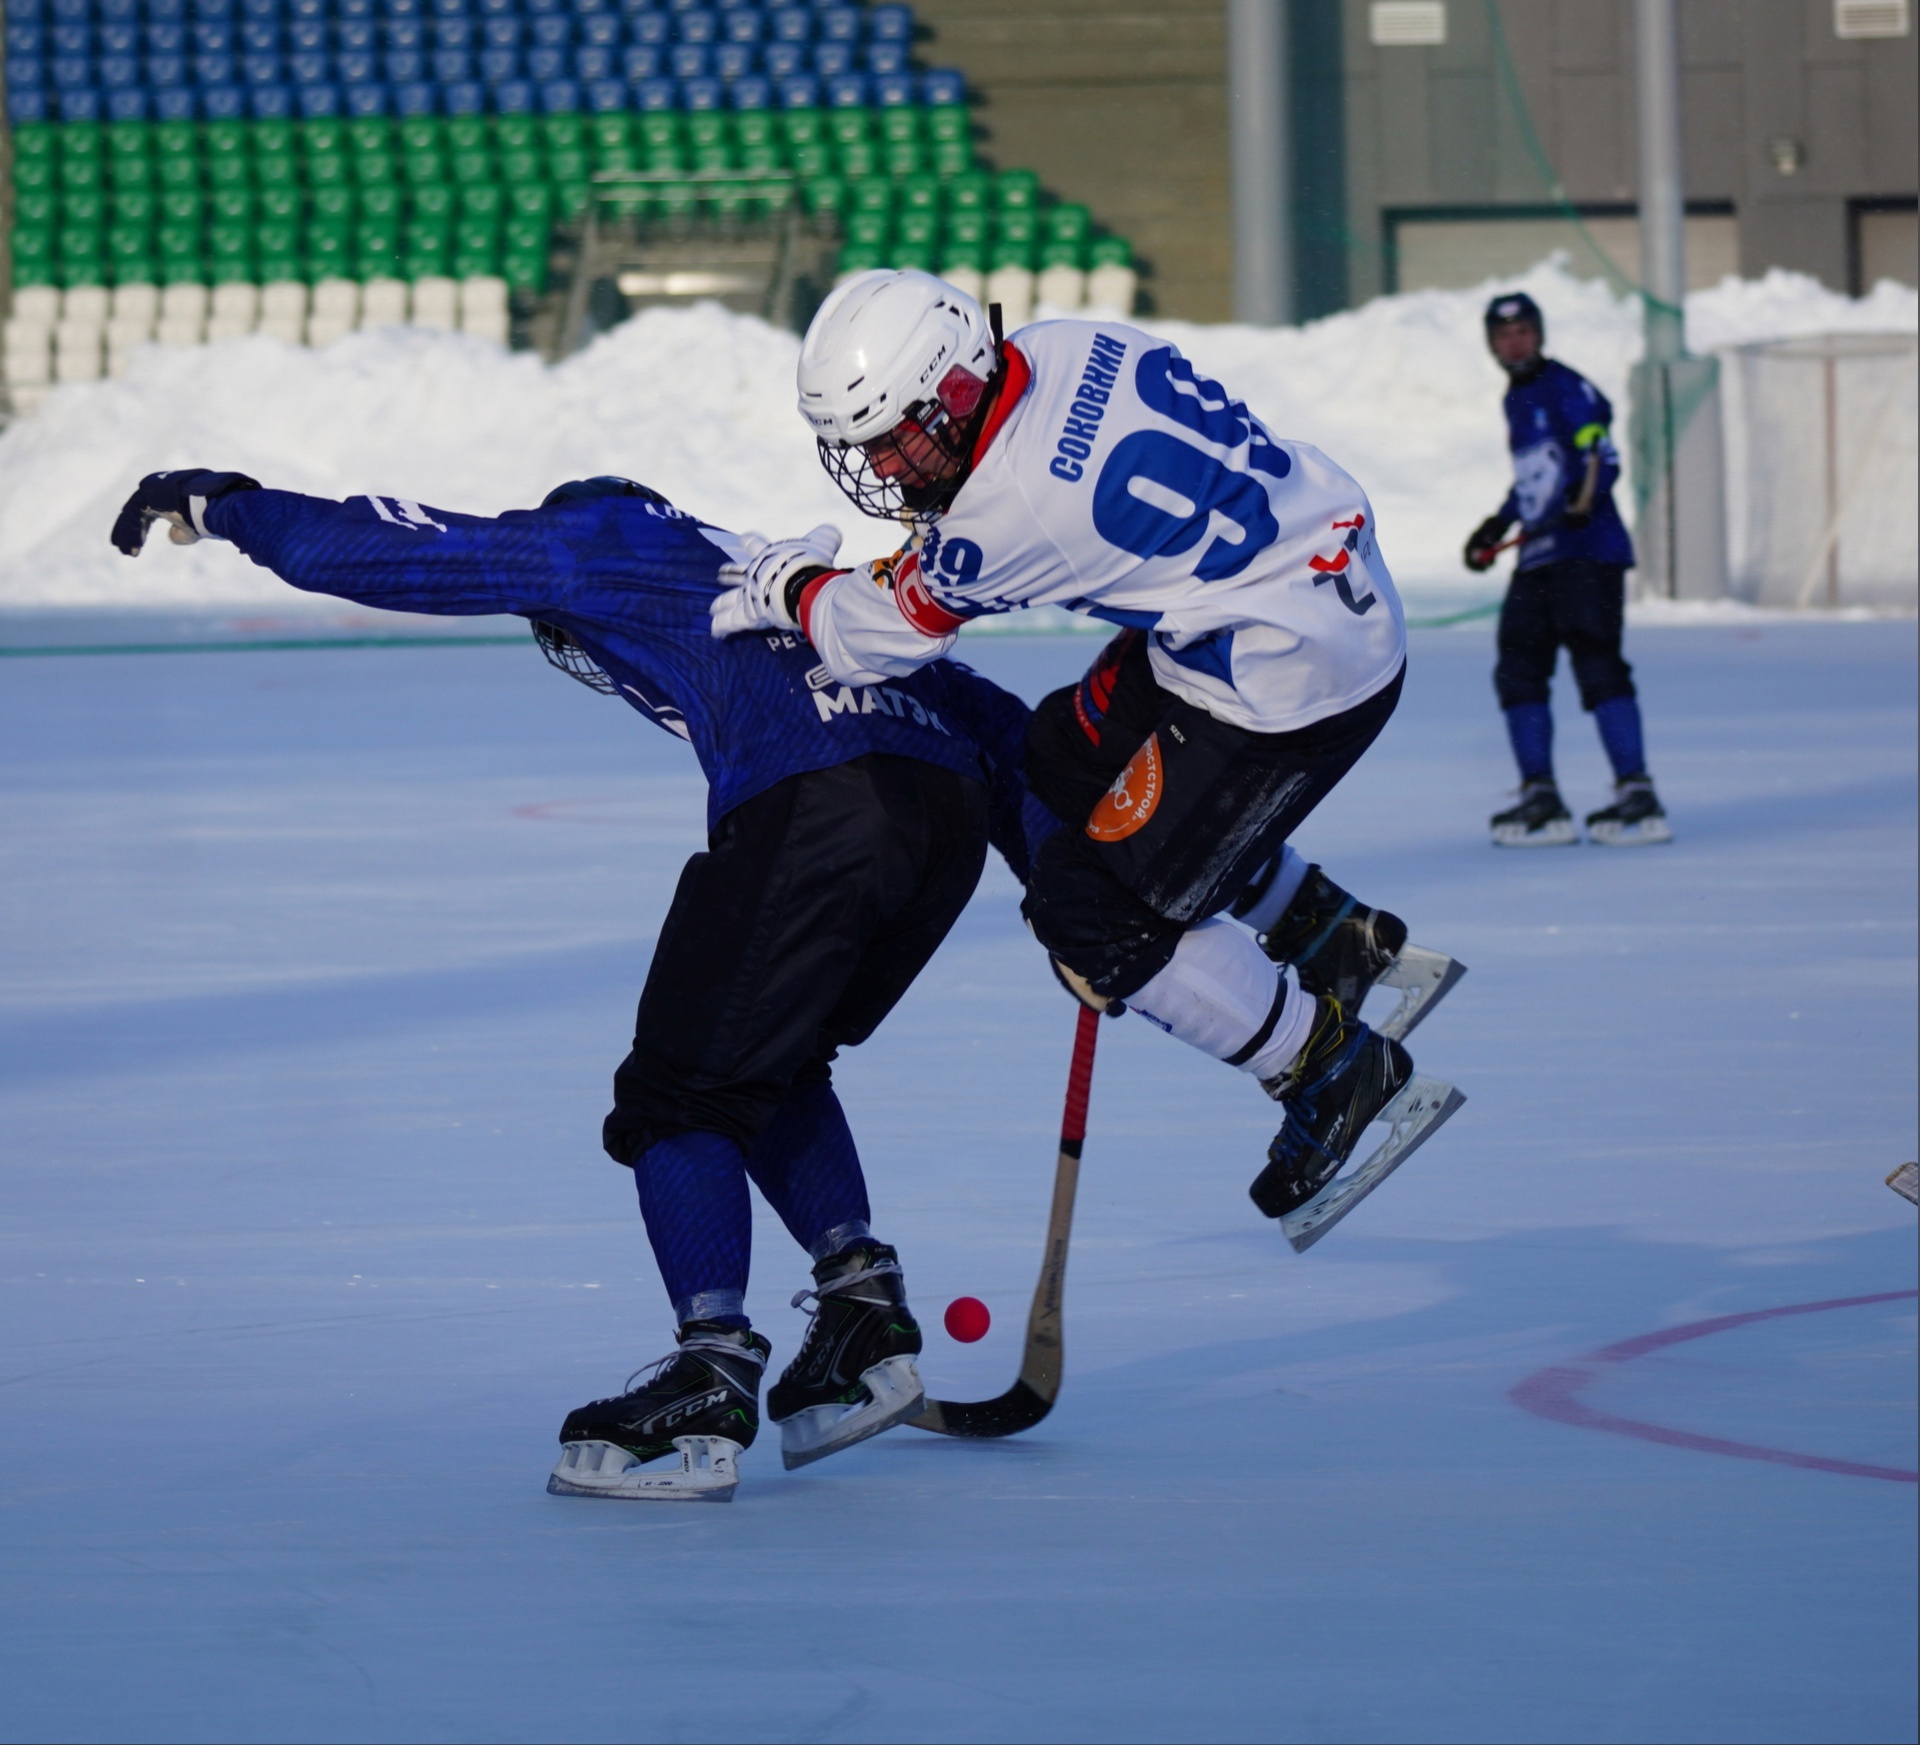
(892, 375)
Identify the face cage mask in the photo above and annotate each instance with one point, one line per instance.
(949, 439)
(573, 660)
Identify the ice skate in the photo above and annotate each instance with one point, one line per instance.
(854, 1374)
(1540, 820)
(1634, 820)
(1341, 948)
(1346, 1078)
(701, 1403)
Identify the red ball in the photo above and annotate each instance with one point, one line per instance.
(967, 1319)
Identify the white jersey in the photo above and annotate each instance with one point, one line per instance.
(1124, 485)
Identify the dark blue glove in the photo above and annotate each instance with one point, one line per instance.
(180, 497)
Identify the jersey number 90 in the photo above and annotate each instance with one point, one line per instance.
(1160, 496)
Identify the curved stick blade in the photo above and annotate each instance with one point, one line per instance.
(1043, 1361)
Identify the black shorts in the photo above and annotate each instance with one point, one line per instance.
(1203, 806)
(816, 904)
(1577, 606)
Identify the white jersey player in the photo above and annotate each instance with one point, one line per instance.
(1085, 464)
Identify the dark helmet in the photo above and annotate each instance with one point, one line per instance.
(600, 485)
(1515, 306)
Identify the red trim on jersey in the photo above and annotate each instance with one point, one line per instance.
(917, 605)
(809, 594)
(1019, 379)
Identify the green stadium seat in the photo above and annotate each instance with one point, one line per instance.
(857, 258)
(34, 141)
(367, 133)
(37, 174)
(825, 197)
(178, 172)
(859, 158)
(920, 194)
(526, 270)
(567, 164)
(522, 235)
(970, 193)
(523, 167)
(421, 133)
(903, 157)
(871, 194)
(234, 205)
(473, 166)
(183, 206)
(804, 127)
(918, 229)
(564, 132)
(1067, 223)
(916, 256)
(423, 168)
(381, 204)
(756, 128)
(82, 174)
(323, 134)
(869, 229)
(219, 139)
(518, 133)
(849, 126)
(902, 124)
(468, 133)
(88, 208)
(1110, 251)
(275, 237)
(375, 168)
(280, 171)
(1016, 190)
(235, 170)
(531, 200)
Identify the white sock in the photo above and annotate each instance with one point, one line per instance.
(1285, 885)
(1224, 996)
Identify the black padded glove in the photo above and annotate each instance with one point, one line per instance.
(180, 497)
(1480, 551)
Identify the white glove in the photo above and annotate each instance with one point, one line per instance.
(757, 598)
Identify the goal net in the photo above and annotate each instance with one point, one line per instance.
(1823, 449)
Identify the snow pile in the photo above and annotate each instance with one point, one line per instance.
(699, 404)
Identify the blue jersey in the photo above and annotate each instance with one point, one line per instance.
(631, 581)
(1556, 421)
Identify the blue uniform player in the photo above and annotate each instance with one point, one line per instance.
(847, 829)
(1568, 589)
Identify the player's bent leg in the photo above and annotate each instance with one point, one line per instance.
(699, 1404)
(854, 1374)
(1339, 946)
(1529, 646)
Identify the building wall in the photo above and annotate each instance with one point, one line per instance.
(1784, 124)
(1122, 106)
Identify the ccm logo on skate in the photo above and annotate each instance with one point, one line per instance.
(1132, 800)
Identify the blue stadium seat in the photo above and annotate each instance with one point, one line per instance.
(455, 33)
(752, 92)
(357, 10)
(307, 69)
(943, 88)
(743, 26)
(450, 8)
(296, 9)
(25, 38)
(833, 60)
(838, 24)
(691, 60)
(553, 31)
(308, 36)
(418, 98)
(849, 91)
(166, 72)
(786, 60)
(800, 92)
(214, 36)
(359, 36)
(790, 24)
(735, 60)
(365, 100)
(697, 25)
(701, 94)
(497, 8)
(656, 94)
(113, 11)
(213, 69)
(26, 73)
(131, 105)
(603, 29)
(546, 64)
(71, 73)
(71, 11)
(592, 65)
(605, 96)
(223, 103)
(504, 30)
(262, 11)
(318, 102)
(640, 62)
(895, 91)
(886, 59)
(260, 69)
(890, 24)
(120, 39)
(452, 66)
(560, 96)
(174, 103)
(256, 37)
(513, 97)
(81, 104)
(275, 102)
(497, 65)
(463, 97)
(652, 28)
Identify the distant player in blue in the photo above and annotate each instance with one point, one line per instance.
(847, 830)
(1568, 589)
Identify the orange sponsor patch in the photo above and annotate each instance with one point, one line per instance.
(1132, 800)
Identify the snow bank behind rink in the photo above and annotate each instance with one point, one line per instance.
(699, 404)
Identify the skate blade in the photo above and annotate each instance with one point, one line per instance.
(708, 1472)
(1413, 1115)
(813, 1434)
(1559, 834)
(1423, 978)
(1642, 835)
(1905, 1181)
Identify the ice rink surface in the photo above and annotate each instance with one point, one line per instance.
(318, 964)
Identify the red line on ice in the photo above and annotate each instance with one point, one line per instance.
(1555, 1393)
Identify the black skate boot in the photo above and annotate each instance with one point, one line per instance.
(1635, 818)
(853, 1375)
(1541, 820)
(1339, 945)
(1340, 948)
(702, 1403)
(1342, 1080)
